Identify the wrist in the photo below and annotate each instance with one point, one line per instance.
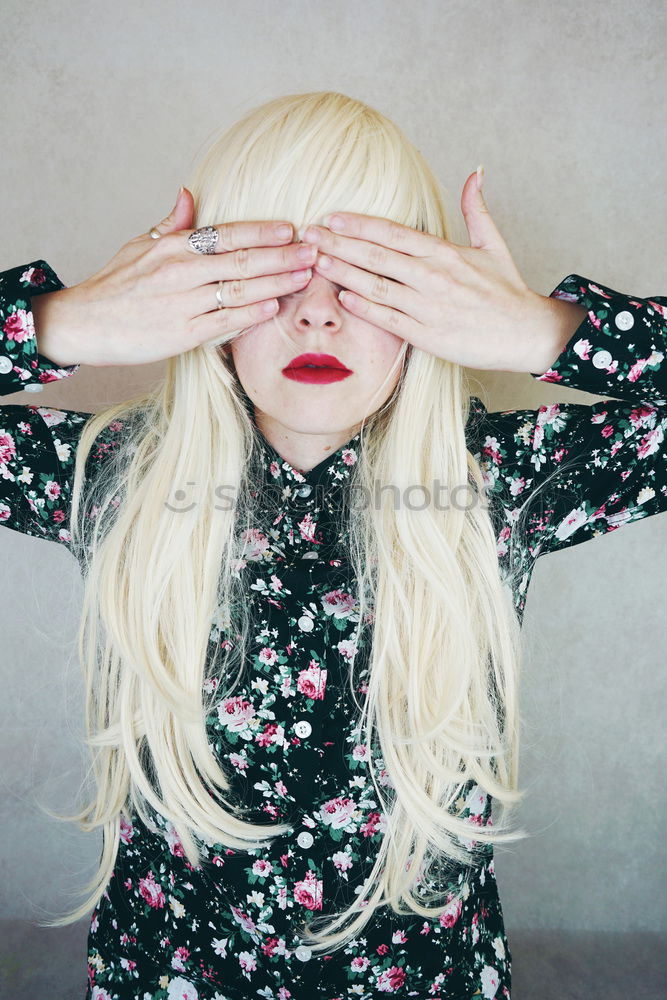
(557, 322)
(54, 327)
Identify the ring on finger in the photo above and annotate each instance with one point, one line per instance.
(204, 240)
(220, 294)
(154, 234)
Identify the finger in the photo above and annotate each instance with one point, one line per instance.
(211, 327)
(238, 293)
(371, 256)
(390, 320)
(384, 231)
(235, 235)
(483, 232)
(373, 286)
(248, 263)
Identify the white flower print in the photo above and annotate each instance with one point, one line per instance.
(490, 982)
(181, 989)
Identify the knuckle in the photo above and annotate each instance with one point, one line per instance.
(226, 235)
(223, 320)
(397, 233)
(377, 257)
(393, 320)
(170, 243)
(380, 287)
(242, 262)
(234, 289)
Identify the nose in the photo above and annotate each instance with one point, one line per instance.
(318, 305)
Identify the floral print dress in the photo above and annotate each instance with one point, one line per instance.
(228, 929)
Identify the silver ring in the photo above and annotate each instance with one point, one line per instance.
(204, 240)
(218, 295)
(154, 233)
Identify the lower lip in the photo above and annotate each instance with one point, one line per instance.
(317, 375)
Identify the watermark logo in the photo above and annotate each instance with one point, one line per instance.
(418, 496)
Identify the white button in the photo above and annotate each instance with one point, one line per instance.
(304, 491)
(625, 320)
(303, 728)
(305, 623)
(5, 365)
(303, 953)
(305, 839)
(33, 388)
(601, 359)
(310, 555)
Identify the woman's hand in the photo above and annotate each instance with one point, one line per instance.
(467, 305)
(157, 297)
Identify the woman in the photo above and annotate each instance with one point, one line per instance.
(304, 585)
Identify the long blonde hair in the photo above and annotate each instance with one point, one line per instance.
(441, 702)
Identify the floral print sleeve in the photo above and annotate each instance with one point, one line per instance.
(37, 443)
(568, 472)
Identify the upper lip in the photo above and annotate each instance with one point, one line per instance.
(321, 360)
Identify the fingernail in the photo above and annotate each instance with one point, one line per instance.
(480, 176)
(333, 222)
(180, 192)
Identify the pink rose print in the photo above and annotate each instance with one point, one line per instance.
(19, 326)
(7, 447)
(126, 830)
(151, 892)
(262, 868)
(307, 528)
(267, 656)
(337, 812)
(371, 825)
(451, 913)
(391, 979)
(308, 892)
(172, 838)
(649, 444)
(359, 964)
(338, 603)
(257, 543)
(312, 681)
(236, 713)
(179, 958)
(52, 490)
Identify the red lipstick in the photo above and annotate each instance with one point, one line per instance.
(317, 368)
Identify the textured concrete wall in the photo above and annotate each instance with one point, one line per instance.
(106, 106)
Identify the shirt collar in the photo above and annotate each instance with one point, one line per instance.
(301, 511)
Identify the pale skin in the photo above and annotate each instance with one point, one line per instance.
(468, 305)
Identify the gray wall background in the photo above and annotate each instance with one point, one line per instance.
(105, 108)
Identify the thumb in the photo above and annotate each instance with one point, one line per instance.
(481, 227)
(181, 215)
